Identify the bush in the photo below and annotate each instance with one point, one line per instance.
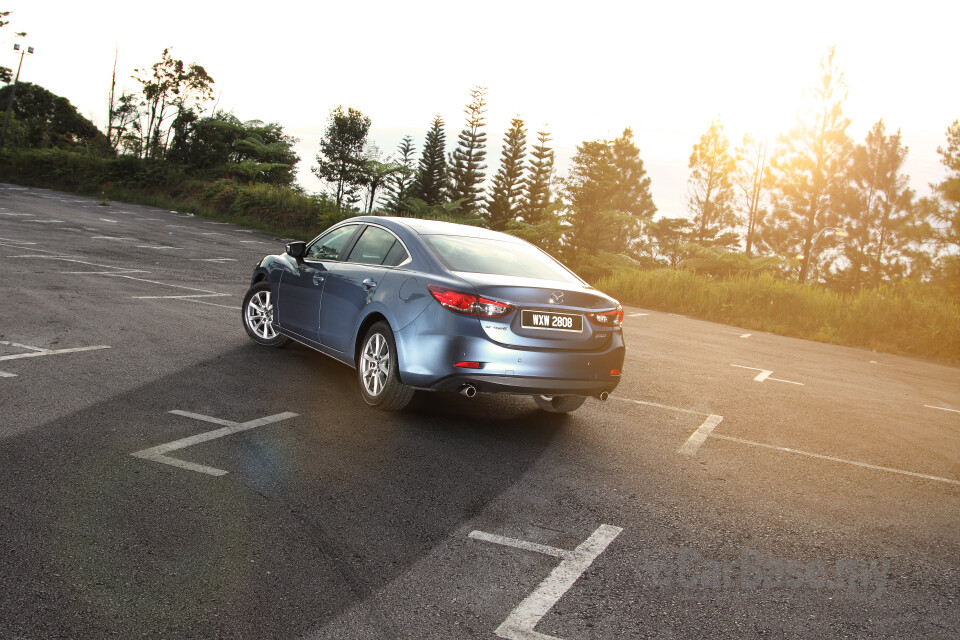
(910, 317)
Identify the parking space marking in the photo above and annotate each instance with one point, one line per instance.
(835, 459)
(637, 315)
(765, 375)
(159, 246)
(254, 242)
(930, 406)
(520, 624)
(213, 259)
(742, 335)
(660, 406)
(698, 437)
(6, 213)
(159, 452)
(17, 242)
(37, 352)
(111, 238)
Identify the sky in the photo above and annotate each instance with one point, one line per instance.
(582, 71)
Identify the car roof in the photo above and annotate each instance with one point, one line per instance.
(438, 227)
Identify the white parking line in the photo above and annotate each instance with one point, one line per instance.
(835, 459)
(159, 453)
(36, 352)
(661, 406)
(930, 406)
(17, 242)
(520, 624)
(765, 375)
(637, 315)
(737, 333)
(698, 437)
(150, 246)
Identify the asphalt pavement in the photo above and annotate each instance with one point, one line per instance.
(162, 476)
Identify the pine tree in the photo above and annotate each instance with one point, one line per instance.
(710, 189)
(400, 183)
(609, 195)
(752, 186)
(947, 212)
(537, 195)
(466, 161)
(431, 182)
(810, 169)
(881, 219)
(507, 187)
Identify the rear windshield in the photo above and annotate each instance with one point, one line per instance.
(496, 257)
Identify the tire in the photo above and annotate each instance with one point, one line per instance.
(377, 368)
(257, 311)
(559, 404)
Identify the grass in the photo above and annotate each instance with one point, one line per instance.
(910, 317)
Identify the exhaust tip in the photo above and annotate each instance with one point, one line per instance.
(604, 395)
(468, 390)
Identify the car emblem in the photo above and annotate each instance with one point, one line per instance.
(556, 297)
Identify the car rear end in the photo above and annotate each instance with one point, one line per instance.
(508, 318)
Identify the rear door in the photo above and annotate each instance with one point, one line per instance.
(353, 282)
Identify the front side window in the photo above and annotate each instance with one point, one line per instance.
(329, 246)
(374, 247)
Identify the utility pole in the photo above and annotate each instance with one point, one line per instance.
(13, 92)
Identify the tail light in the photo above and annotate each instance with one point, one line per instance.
(469, 304)
(612, 318)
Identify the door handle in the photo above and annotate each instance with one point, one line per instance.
(317, 279)
(369, 283)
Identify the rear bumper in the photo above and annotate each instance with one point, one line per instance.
(430, 347)
(527, 386)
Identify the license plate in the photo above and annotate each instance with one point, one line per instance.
(552, 321)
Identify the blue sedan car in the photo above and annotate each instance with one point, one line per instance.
(422, 304)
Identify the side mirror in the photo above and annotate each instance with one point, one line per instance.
(297, 250)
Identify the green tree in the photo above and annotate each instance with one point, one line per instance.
(45, 120)
(168, 88)
(431, 182)
(810, 168)
(341, 159)
(507, 188)
(400, 182)
(752, 187)
(710, 195)
(376, 175)
(537, 196)
(881, 217)
(609, 197)
(670, 236)
(947, 213)
(466, 161)
(251, 151)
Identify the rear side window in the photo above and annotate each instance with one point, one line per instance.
(497, 257)
(329, 246)
(396, 255)
(375, 246)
